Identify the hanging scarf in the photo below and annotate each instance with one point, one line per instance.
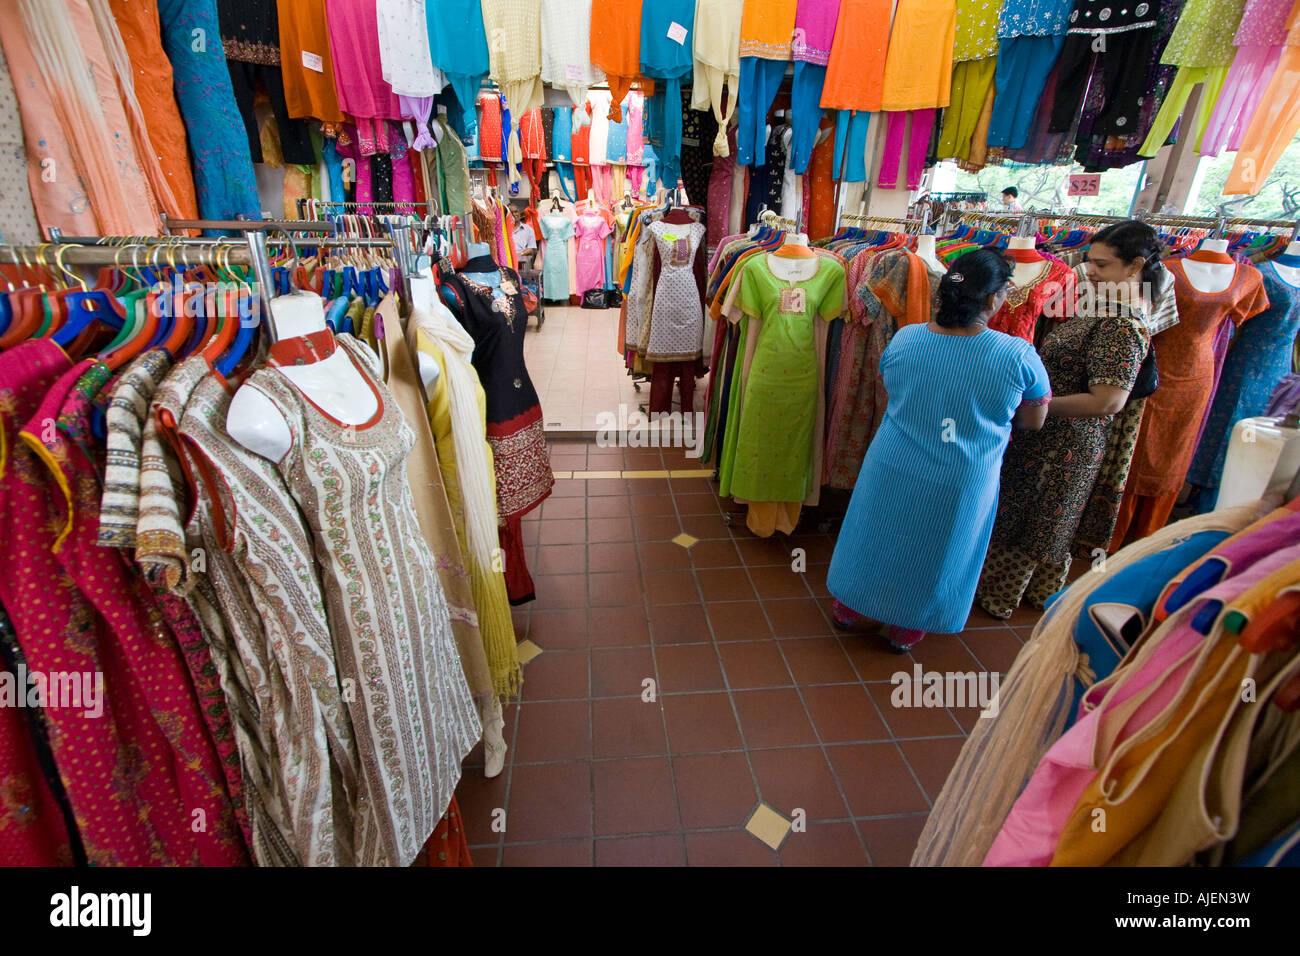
(474, 474)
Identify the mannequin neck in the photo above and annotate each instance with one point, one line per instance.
(1212, 250)
(1023, 249)
(297, 314)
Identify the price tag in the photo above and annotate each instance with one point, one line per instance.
(793, 301)
(677, 33)
(313, 61)
(573, 71)
(1084, 184)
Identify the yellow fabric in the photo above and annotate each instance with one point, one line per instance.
(971, 82)
(487, 584)
(767, 517)
(918, 66)
(767, 28)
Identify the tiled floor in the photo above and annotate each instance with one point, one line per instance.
(575, 367)
(678, 689)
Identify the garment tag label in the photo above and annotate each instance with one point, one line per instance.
(573, 71)
(670, 237)
(313, 61)
(677, 33)
(794, 301)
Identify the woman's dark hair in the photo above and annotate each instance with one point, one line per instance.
(966, 286)
(1135, 240)
(1011, 191)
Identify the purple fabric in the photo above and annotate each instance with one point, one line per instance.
(1285, 398)
(719, 202)
(814, 28)
(1221, 340)
(419, 109)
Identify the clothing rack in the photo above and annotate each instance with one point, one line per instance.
(240, 225)
(430, 207)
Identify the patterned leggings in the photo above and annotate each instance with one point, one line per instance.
(1010, 576)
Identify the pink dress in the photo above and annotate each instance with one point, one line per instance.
(358, 70)
(591, 230)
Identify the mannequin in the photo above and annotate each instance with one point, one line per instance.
(794, 261)
(422, 297)
(1210, 269)
(1029, 262)
(1288, 264)
(925, 249)
(330, 381)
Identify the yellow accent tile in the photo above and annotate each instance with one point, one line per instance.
(684, 540)
(597, 474)
(563, 474)
(768, 825)
(527, 651)
(696, 473)
(645, 474)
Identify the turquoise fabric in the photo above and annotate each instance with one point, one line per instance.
(458, 47)
(556, 231)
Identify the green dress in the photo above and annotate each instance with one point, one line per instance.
(769, 455)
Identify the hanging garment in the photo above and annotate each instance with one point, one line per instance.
(557, 230)
(921, 124)
(677, 318)
(1055, 286)
(404, 54)
(1259, 357)
(813, 35)
(566, 48)
(766, 34)
(666, 55)
(717, 62)
(590, 230)
(458, 47)
(918, 66)
(1047, 475)
(1201, 47)
(945, 491)
(615, 47)
(773, 452)
(363, 92)
(223, 167)
(855, 72)
(305, 61)
(417, 711)
(1274, 124)
(514, 31)
(17, 214)
(151, 75)
(1259, 41)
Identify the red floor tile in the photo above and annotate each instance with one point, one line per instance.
(651, 505)
(715, 554)
(796, 617)
(931, 761)
(611, 506)
(666, 850)
(616, 589)
(609, 529)
(597, 487)
(670, 587)
(739, 621)
(891, 842)
(798, 779)
(679, 624)
(569, 487)
(714, 790)
(994, 648)
(944, 652)
(559, 590)
(817, 660)
(700, 723)
(627, 727)
(662, 556)
(478, 797)
(844, 713)
(691, 503)
(564, 508)
(563, 531)
(725, 584)
(484, 855)
(560, 558)
(824, 844)
(872, 658)
(549, 802)
(778, 582)
(908, 720)
(569, 853)
(657, 528)
(613, 556)
(759, 552)
(875, 779)
(727, 848)
(554, 730)
(559, 629)
(773, 718)
(688, 667)
(556, 675)
(634, 796)
(618, 626)
(706, 526)
(751, 664)
(619, 671)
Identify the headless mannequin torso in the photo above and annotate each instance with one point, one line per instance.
(1030, 266)
(1288, 265)
(333, 383)
(925, 250)
(797, 268)
(1210, 269)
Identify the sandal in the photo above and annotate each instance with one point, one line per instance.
(901, 640)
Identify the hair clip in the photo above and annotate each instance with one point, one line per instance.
(956, 277)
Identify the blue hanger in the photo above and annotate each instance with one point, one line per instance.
(85, 309)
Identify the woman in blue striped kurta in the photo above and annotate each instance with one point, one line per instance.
(918, 525)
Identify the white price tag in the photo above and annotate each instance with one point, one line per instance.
(313, 61)
(573, 71)
(677, 33)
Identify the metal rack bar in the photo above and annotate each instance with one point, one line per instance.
(248, 225)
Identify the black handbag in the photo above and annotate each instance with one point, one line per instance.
(1148, 376)
(593, 299)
